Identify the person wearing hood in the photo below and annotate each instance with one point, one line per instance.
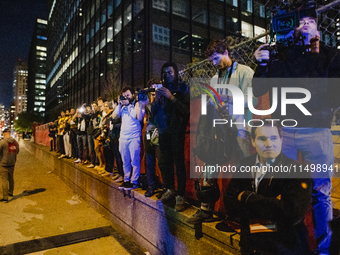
(171, 109)
(9, 148)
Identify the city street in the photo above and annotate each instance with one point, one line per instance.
(45, 213)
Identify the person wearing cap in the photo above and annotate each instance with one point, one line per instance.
(9, 148)
(312, 136)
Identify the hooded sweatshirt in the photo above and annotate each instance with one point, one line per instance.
(9, 148)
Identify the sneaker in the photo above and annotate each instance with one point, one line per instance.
(62, 156)
(149, 192)
(10, 194)
(77, 161)
(123, 185)
(90, 166)
(4, 200)
(130, 186)
(106, 174)
(119, 179)
(200, 216)
(115, 177)
(167, 196)
(85, 162)
(180, 204)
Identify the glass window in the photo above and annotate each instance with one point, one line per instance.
(137, 7)
(200, 15)
(247, 29)
(110, 9)
(260, 31)
(232, 2)
(180, 8)
(41, 37)
(216, 20)
(39, 75)
(259, 10)
(162, 5)
(160, 34)
(127, 15)
(247, 5)
(118, 25)
(117, 2)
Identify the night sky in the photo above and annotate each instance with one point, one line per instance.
(17, 19)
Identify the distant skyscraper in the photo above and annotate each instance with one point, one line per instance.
(20, 74)
(37, 68)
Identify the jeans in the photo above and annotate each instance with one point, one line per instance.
(151, 151)
(82, 147)
(171, 147)
(316, 147)
(130, 152)
(90, 141)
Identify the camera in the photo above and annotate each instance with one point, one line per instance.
(143, 94)
(286, 17)
(122, 98)
(82, 109)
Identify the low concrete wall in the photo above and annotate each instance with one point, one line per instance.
(158, 228)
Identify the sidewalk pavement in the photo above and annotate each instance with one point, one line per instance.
(43, 206)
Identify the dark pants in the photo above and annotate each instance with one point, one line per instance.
(82, 147)
(151, 151)
(6, 174)
(118, 157)
(171, 147)
(60, 144)
(94, 159)
(53, 143)
(74, 144)
(111, 152)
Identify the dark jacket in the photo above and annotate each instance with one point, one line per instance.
(52, 130)
(91, 118)
(172, 116)
(294, 62)
(281, 200)
(9, 148)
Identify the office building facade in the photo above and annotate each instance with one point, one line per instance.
(20, 74)
(96, 46)
(37, 69)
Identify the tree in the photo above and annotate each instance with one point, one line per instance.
(25, 120)
(112, 85)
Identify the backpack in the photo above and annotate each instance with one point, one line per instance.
(214, 145)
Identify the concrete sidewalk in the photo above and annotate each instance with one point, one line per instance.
(43, 207)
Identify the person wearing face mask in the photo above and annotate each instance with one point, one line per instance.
(312, 136)
(132, 114)
(171, 108)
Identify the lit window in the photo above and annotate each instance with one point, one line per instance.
(41, 48)
(42, 21)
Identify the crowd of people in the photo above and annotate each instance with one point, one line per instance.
(105, 132)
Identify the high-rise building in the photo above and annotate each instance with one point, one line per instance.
(12, 115)
(37, 68)
(20, 74)
(97, 45)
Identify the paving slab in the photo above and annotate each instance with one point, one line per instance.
(42, 205)
(104, 245)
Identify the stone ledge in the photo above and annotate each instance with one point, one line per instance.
(153, 225)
